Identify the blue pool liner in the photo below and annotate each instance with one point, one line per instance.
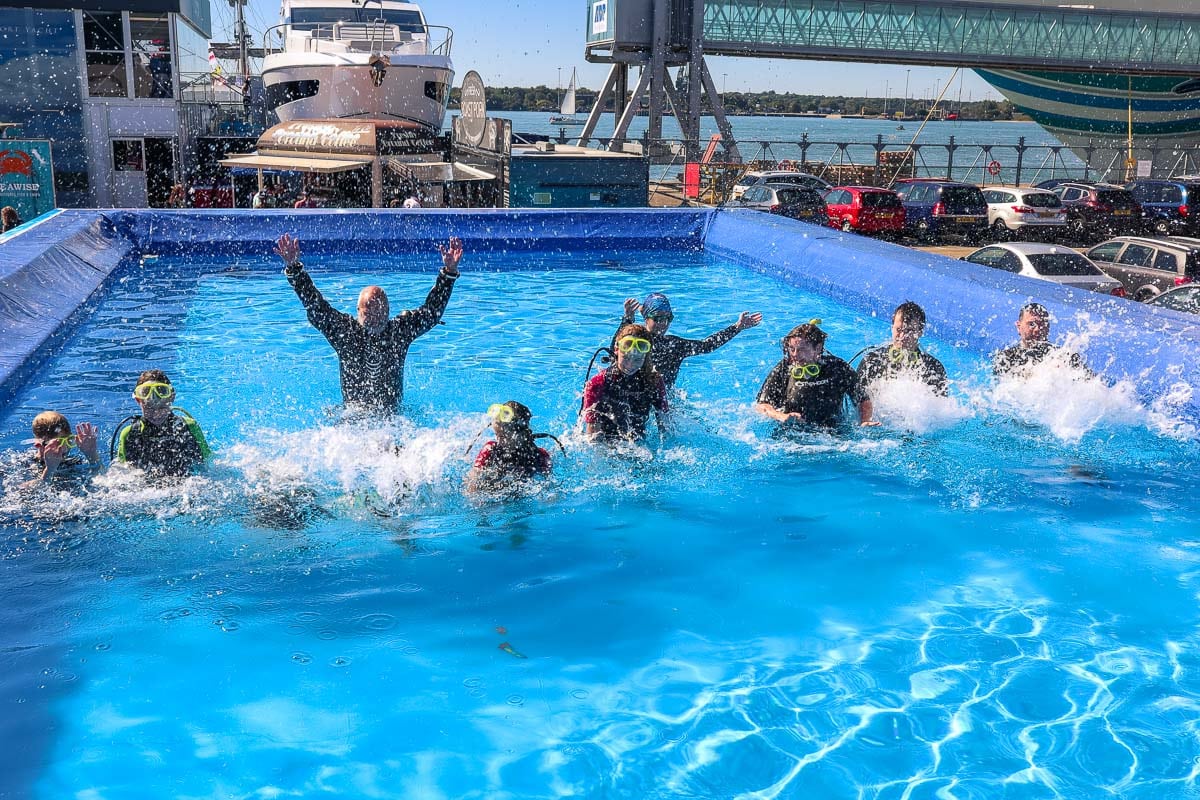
(49, 273)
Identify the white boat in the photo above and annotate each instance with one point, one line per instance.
(566, 111)
(342, 59)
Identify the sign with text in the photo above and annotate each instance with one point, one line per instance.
(26, 176)
(473, 108)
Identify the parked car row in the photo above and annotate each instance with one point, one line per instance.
(1137, 267)
(929, 209)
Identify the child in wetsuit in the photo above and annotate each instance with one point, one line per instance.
(513, 456)
(618, 401)
(160, 441)
(53, 442)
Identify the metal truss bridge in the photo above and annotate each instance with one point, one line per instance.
(968, 34)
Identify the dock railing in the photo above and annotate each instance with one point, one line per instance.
(886, 159)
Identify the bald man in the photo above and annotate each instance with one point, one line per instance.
(371, 347)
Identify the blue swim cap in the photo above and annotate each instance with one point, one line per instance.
(656, 304)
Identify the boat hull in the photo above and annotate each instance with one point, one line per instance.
(1090, 114)
(344, 87)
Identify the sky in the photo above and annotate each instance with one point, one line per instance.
(533, 42)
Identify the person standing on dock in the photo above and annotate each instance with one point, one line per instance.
(668, 352)
(371, 348)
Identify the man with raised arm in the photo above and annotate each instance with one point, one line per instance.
(371, 348)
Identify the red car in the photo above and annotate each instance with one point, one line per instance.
(866, 209)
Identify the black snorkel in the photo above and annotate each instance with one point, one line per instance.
(112, 443)
(610, 355)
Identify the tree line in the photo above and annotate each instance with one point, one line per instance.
(544, 98)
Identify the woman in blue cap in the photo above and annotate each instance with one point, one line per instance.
(668, 352)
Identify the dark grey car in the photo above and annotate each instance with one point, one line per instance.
(1148, 267)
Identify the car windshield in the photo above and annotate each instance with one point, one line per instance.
(799, 197)
(880, 200)
(746, 180)
(1063, 264)
(1042, 200)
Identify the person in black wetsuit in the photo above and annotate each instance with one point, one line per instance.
(53, 442)
(618, 401)
(1033, 326)
(808, 385)
(903, 356)
(371, 348)
(161, 442)
(513, 457)
(668, 352)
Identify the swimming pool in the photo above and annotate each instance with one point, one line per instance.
(992, 595)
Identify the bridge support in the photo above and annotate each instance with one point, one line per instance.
(676, 39)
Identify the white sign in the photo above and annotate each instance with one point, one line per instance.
(1144, 168)
(600, 17)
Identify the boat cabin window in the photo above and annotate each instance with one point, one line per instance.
(408, 20)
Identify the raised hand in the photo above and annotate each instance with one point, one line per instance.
(452, 253)
(632, 306)
(85, 439)
(288, 248)
(748, 320)
(53, 454)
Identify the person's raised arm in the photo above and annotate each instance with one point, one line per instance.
(85, 437)
(321, 314)
(745, 320)
(421, 320)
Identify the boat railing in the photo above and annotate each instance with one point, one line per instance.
(374, 36)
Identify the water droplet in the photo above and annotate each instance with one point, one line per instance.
(340, 661)
(300, 657)
(515, 700)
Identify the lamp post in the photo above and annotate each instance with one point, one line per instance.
(723, 76)
(904, 109)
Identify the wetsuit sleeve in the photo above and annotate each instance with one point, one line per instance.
(870, 369)
(592, 393)
(774, 388)
(324, 317)
(854, 388)
(935, 376)
(1002, 362)
(660, 394)
(485, 455)
(699, 347)
(1078, 363)
(418, 321)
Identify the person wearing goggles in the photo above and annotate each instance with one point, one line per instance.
(903, 355)
(809, 385)
(55, 446)
(163, 440)
(513, 457)
(668, 352)
(372, 346)
(1034, 347)
(618, 400)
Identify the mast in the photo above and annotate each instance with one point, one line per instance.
(243, 39)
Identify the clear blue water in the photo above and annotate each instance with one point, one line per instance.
(972, 601)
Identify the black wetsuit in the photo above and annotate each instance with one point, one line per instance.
(619, 404)
(1021, 356)
(886, 361)
(667, 352)
(173, 449)
(371, 364)
(819, 398)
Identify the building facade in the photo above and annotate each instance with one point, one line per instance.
(105, 85)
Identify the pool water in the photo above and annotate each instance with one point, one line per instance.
(991, 595)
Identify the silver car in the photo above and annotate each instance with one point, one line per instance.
(1017, 208)
(1183, 298)
(1047, 262)
(760, 177)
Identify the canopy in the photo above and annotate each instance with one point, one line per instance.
(255, 161)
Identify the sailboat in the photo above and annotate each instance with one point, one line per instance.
(566, 115)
